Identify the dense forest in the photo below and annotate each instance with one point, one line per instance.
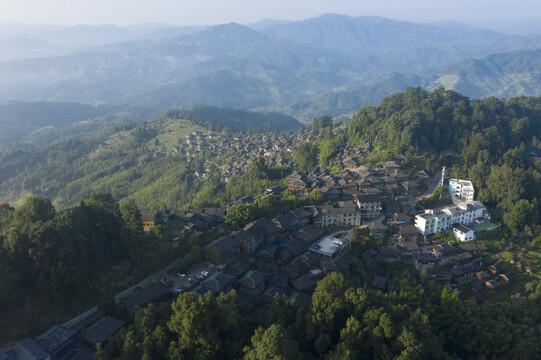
(343, 321)
(236, 119)
(57, 252)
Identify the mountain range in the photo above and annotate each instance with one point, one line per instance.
(332, 63)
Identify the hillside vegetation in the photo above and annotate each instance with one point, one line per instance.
(135, 160)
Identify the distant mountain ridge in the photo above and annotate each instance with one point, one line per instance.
(293, 66)
(372, 34)
(502, 75)
(149, 73)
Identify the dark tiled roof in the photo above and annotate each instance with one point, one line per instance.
(84, 320)
(264, 225)
(218, 281)
(55, 337)
(309, 234)
(101, 330)
(151, 292)
(300, 213)
(267, 250)
(409, 246)
(368, 198)
(379, 282)
(252, 279)
(25, 350)
(303, 283)
(222, 246)
(310, 258)
(301, 299)
(278, 280)
(269, 294)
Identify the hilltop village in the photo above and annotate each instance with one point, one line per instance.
(239, 149)
(368, 226)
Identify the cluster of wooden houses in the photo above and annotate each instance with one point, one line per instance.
(272, 255)
(355, 180)
(241, 148)
(443, 262)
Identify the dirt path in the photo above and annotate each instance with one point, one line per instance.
(500, 255)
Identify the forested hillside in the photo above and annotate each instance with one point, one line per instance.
(492, 138)
(29, 121)
(61, 254)
(236, 119)
(134, 160)
(421, 321)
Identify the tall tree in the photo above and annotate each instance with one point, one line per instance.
(132, 235)
(272, 344)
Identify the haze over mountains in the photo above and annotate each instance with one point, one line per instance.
(332, 63)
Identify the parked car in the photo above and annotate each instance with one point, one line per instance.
(316, 246)
(205, 273)
(191, 281)
(181, 274)
(169, 284)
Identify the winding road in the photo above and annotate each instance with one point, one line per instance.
(433, 185)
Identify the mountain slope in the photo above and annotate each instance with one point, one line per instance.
(232, 65)
(371, 34)
(39, 120)
(503, 75)
(23, 48)
(238, 119)
(271, 69)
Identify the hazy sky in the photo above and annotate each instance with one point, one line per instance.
(210, 12)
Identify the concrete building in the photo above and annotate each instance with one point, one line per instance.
(466, 213)
(463, 233)
(433, 221)
(462, 189)
(345, 216)
(369, 205)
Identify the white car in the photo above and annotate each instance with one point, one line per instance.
(181, 274)
(204, 273)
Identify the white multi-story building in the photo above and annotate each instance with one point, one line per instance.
(466, 213)
(462, 189)
(433, 221)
